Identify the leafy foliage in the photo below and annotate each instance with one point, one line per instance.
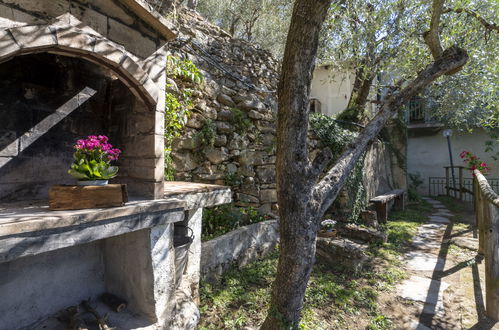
(334, 136)
(232, 179)
(225, 218)
(206, 135)
(331, 133)
(178, 105)
(92, 159)
(263, 21)
(240, 120)
(178, 68)
(384, 37)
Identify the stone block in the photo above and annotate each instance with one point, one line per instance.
(34, 36)
(225, 115)
(112, 53)
(226, 100)
(247, 199)
(187, 143)
(134, 69)
(268, 196)
(95, 20)
(8, 47)
(364, 234)
(4, 161)
(251, 157)
(195, 121)
(132, 39)
(255, 115)
(246, 171)
(216, 155)
(266, 173)
(220, 140)
(184, 161)
(69, 37)
(248, 105)
(224, 128)
(238, 142)
(341, 252)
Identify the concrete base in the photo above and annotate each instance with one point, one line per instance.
(52, 265)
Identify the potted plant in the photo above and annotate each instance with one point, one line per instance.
(92, 161)
(474, 163)
(327, 228)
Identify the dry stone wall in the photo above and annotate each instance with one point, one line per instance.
(238, 101)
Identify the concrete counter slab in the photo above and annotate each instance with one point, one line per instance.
(21, 218)
(197, 195)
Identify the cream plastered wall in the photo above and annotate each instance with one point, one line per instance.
(427, 154)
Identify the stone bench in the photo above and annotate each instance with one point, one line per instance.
(381, 203)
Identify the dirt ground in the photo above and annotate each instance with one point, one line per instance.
(462, 270)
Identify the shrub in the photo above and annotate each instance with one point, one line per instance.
(225, 218)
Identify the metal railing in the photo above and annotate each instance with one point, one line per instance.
(437, 186)
(419, 111)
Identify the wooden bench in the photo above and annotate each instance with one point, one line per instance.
(381, 203)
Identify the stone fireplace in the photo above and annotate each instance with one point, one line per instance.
(48, 102)
(72, 68)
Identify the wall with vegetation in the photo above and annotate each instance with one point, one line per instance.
(229, 133)
(230, 117)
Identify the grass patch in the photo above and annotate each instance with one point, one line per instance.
(452, 204)
(336, 298)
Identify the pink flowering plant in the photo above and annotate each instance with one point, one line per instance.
(474, 163)
(92, 159)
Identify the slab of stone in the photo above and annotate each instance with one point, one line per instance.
(422, 261)
(438, 219)
(196, 195)
(23, 218)
(425, 290)
(341, 252)
(466, 242)
(415, 325)
(21, 244)
(364, 234)
(429, 236)
(443, 214)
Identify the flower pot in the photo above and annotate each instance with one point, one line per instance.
(91, 182)
(324, 233)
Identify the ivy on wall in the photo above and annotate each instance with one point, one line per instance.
(178, 104)
(336, 137)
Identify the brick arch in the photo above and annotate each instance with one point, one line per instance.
(71, 41)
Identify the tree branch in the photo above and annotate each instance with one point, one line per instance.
(320, 162)
(327, 189)
(432, 36)
(481, 20)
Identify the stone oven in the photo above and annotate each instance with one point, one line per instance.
(68, 69)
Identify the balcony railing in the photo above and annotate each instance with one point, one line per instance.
(419, 111)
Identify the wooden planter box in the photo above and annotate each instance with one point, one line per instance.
(64, 197)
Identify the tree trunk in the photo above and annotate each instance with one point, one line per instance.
(294, 179)
(302, 200)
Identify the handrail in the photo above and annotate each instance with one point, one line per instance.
(487, 191)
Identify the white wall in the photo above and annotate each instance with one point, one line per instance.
(332, 89)
(428, 154)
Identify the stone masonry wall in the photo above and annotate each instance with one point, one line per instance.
(238, 75)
